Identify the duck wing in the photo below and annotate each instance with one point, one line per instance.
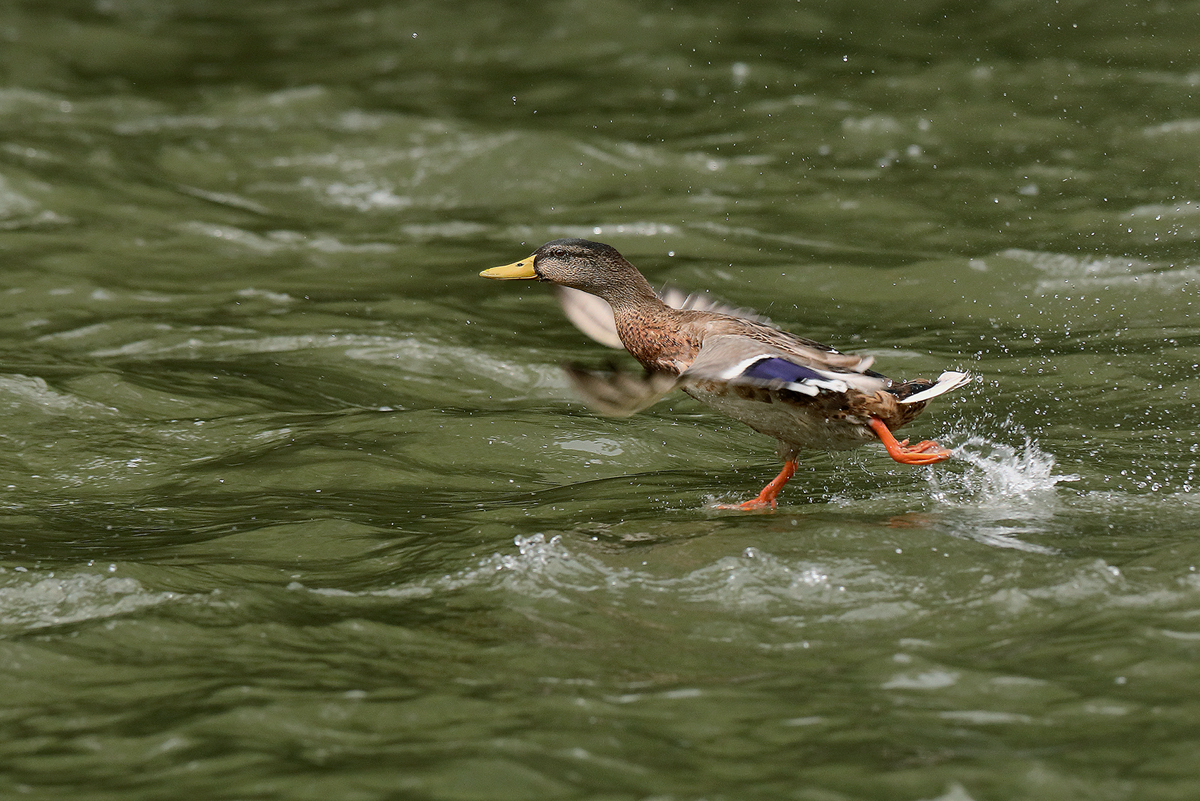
(702, 301)
(801, 366)
(805, 368)
(593, 316)
(590, 314)
(728, 359)
(620, 393)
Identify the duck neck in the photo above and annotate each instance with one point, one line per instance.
(632, 295)
(646, 326)
(634, 302)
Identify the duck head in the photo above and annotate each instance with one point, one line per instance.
(591, 267)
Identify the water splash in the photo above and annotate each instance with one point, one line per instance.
(1005, 494)
(999, 495)
(543, 567)
(1003, 473)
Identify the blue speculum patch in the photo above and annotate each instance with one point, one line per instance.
(773, 369)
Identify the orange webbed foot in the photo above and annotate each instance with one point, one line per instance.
(766, 499)
(752, 505)
(927, 452)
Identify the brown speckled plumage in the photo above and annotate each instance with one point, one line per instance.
(821, 399)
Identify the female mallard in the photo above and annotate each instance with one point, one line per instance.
(803, 393)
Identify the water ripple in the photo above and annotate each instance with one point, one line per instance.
(34, 601)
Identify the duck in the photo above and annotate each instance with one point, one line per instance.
(804, 394)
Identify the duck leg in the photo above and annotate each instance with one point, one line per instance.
(927, 452)
(766, 498)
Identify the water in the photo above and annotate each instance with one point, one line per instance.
(295, 505)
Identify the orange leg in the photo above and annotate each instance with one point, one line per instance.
(766, 498)
(927, 452)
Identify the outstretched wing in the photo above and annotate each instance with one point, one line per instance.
(593, 316)
(590, 314)
(702, 301)
(618, 393)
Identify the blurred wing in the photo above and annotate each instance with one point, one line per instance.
(593, 316)
(619, 394)
(700, 301)
(590, 314)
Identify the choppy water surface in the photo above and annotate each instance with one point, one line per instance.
(295, 505)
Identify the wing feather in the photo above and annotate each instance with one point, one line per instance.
(742, 360)
(593, 316)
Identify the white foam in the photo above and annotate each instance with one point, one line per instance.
(545, 567)
(33, 601)
(31, 392)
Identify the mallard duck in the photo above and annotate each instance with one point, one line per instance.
(804, 394)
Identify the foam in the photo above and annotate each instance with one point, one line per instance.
(30, 600)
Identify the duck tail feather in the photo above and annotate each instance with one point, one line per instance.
(947, 381)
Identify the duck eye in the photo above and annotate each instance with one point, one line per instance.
(558, 253)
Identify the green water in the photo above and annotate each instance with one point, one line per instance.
(297, 506)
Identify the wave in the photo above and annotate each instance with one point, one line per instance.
(30, 600)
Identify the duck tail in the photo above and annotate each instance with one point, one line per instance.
(946, 382)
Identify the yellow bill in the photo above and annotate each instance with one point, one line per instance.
(518, 269)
